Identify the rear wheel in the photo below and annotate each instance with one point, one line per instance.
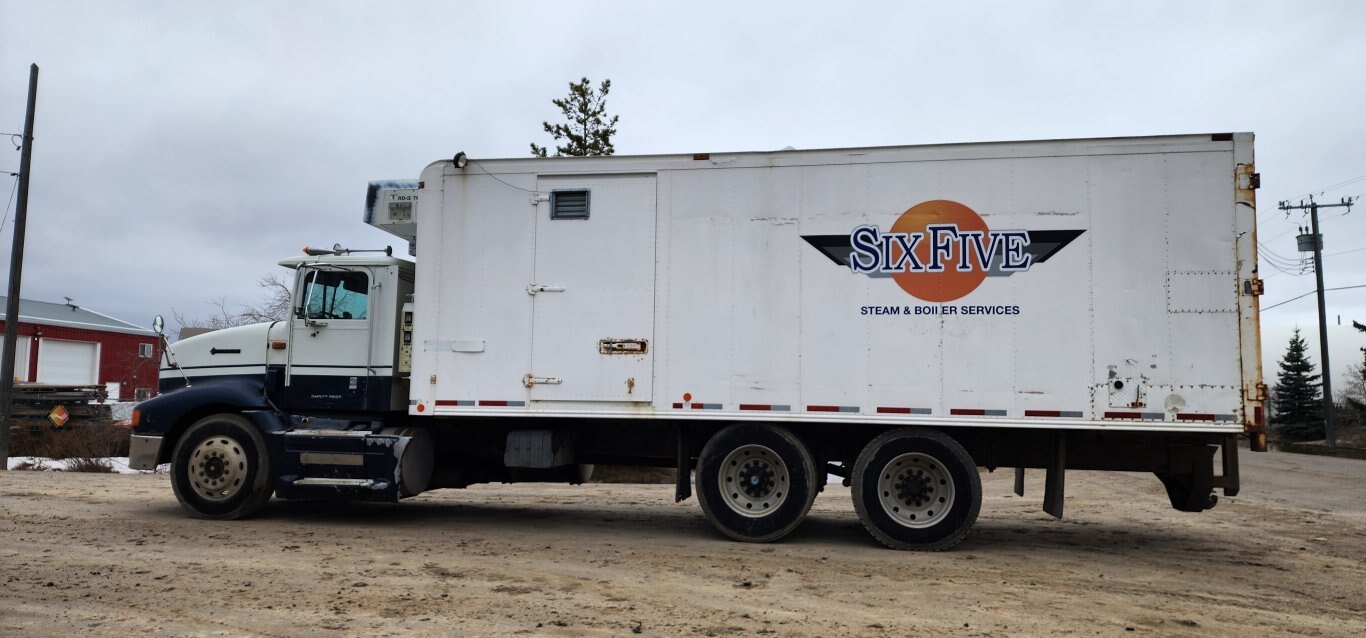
(916, 489)
(220, 468)
(755, 482)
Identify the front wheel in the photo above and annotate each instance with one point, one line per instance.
(755, 482)
(220, 468)
(916, 489)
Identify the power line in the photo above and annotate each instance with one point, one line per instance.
(1337, 185)
(1344, 252)
(1276, 258)
(1286, 270)
(9, 201)
(1321, 191)
(1272, 255)
(1267, 249)
(1282, 303)
(1282, 234)
(1285, 265)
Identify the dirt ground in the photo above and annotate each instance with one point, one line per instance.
(87, 554)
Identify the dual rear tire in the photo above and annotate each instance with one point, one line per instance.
(755, 482)
(916, 489)
(913, 488)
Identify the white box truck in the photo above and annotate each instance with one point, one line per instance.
(897, 316)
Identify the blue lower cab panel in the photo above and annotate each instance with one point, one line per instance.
(353, 465)
(311, 391)
(306, 392)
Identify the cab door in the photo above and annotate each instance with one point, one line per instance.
(329, 356)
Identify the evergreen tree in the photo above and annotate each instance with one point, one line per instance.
(588, 130)
(1299, 399)
(1356, 388)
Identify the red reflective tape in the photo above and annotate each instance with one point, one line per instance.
(1194, 416)
(493, 404)
(441, 402)
(1123, 415)
(1049, 413)
(882, 410)
(678, 406)
(822, 408)
(697, 406)
(755, 406)
(1258, 417)
(968, 411)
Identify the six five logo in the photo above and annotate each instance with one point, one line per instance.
(940, 250)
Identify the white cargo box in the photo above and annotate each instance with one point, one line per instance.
(1099, 283)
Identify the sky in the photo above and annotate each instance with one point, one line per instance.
(182, 149)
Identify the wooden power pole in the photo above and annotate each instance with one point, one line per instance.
(1313, 208)
(16, 272)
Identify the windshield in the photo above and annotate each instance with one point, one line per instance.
(336, 295)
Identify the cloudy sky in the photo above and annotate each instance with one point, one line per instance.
(183, 148)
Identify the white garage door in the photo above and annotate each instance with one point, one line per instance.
(68, 362)
(20, 358)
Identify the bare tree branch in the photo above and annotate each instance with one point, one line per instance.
(274, 307)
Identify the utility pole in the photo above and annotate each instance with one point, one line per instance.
(16, 271)
(1313, 208)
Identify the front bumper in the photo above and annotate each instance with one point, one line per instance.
(143, 452)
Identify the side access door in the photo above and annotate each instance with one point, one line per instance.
(593, 289)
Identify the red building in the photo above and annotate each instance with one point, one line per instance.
(67, 344)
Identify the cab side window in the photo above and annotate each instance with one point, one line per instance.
(332, 294)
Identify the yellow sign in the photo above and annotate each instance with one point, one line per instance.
(59, 416)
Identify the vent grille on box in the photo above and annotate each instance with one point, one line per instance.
(569, 204)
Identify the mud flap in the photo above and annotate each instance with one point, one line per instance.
(683, 482)
(1230, 481)
(1054, 481)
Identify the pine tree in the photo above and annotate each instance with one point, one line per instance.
(588, 129)
(1299, 399)
(1356, 388)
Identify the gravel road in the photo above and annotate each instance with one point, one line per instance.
(89, 554)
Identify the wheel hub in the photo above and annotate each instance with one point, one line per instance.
(218, 468)
(756, 479)
(753, 481)
(915, 490)
(213, 468)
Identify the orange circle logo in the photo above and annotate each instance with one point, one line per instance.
(949, 283)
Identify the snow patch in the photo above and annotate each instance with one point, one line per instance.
(119, 463)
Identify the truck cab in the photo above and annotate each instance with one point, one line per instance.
(336, 353)
(335, 357)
